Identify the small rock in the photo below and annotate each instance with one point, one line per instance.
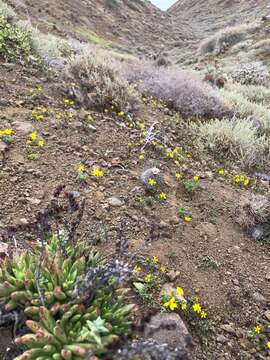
(267, 315)
(174, 220)
(221, 339)
(229, 328)
(115, 202)
(169, 329)
(24, 126)
(173, 275)
(267, 276)
(34, 201)
(259, 298)
(3, 146)
(23, 221)
(163, 225)
(3, 248)
(208, 229)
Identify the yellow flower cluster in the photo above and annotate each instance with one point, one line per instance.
(6, 132)
(81, 168)
(152, 182)
(33, 138)
(162, 196)
(241, 180)
(39, 113)
(97, 173)
(68, 102)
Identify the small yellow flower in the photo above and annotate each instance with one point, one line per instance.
(203, 315)
(162, 196)
(58, 116)
(197, 308)
(171, 304)
(8, 131)
(169, 154)
(187, 218)
(43, 110)
(154, 260)
(41, 143)
(258, 329)
(81, 168)
(40, 117)
(246, 182)
(184, 306)
(268, 344)
(121, 114)
(141, 157)
(148, 278)
(162, 269)
(106, 111)
(66, 101)
(196, 178)
(221, 172)
(33, 136)
(152, 182)
(178, 175)
(97, 173)
(137, 269)
(180, 291)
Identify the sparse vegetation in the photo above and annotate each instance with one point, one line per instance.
(254, 73)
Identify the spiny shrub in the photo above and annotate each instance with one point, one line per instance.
(98, 85)
(233, 139)
(224, 39)
(254, 73)
(72, 299)
(15, 43)
(181, 90)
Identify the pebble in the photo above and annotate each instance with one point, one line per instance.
(267, 276)
(267, 315)
(115, 202)
(221, 339)
(23, 221)
(259, 298)
(229, 328)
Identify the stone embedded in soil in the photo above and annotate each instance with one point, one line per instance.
(259, 298)
(24, 126)
(168, 289)
(208, 229)
(267, 276)
(229, 328)
(3, 146)
(115, 202)
(267, 315)
(169, 328)
(3, 248)
(173, 275)
(222, 339)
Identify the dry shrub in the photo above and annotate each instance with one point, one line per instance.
(224, 39)
(98, 85)
(183, 91)
(253, 73)
(233, 139)
(252, 210)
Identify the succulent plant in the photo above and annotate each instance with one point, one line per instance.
(20, 283)
(81, 331)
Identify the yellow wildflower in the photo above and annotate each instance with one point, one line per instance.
(196, 178)
(43, 110)
(58, 116)
(152, 182)
(258, 329)
(184, 306)
(221, 172)
(246, 182)
(187, 218)
(121, 113)
(203, 315)
(8, 131)
(154, 260)
(41, 143)
(171, 304)
(141, 157)
(137, 269)
(33, 136)
(197, 308)
(268, 344)
(169, 154)
(178, 175)
(97, 173)
(148, 278)
(162, 196)
(81, 168)
(162, 269)
(40, 117)
(180, 291)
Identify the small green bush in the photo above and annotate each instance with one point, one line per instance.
(6, 11)
(15, 43)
